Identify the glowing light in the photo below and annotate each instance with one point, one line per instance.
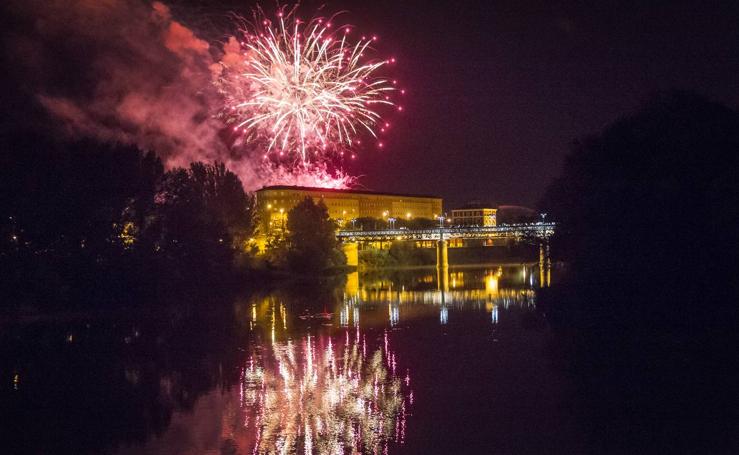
(304, 91)
(491, 284)
(312, 175)
(323, 393)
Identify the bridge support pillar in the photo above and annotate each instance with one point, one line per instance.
(442, 265)
(545, 265)
(442, 254)
(351, 250)
(351, 288)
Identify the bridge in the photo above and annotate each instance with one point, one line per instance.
(539, 232)
(520, 232)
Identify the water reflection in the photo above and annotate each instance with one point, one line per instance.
(409, 294)
(322, 394)
(310, 369)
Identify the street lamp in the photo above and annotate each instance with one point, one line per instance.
(282, 216)
(392, 222)
(441, 227)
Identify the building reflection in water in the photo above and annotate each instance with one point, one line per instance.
(322, 394)
(335, 391)
(491, 288)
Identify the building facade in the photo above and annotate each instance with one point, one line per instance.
(474, 216)
(274, 202)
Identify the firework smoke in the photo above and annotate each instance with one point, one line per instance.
(120, 71)
(126, 71)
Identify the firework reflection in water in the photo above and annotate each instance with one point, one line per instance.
(323, 395)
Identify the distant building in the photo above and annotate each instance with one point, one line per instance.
(274, 202)
(474, 214)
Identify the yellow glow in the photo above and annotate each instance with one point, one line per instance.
(408, 215)
(127, 235)
(491, 284)
(344, 205)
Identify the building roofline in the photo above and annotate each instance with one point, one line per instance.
(476, 207)
(347, 191)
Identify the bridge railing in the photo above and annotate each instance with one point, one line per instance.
(522, 230)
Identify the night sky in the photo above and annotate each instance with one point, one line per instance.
(497, 91)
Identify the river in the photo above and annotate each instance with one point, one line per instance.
(381, 362)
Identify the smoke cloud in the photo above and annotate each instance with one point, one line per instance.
(124, 71)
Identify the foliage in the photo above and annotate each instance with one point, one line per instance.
(405, 253)
(203, 210)
(311, 238)
(63, 199)
(648, 224)
(87, 222)
(373, 258)
(367, 223)
(400, 254)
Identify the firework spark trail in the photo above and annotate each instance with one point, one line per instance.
(303, 93)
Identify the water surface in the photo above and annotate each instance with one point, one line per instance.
(385, 362)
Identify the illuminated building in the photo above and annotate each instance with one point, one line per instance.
(343, 205)
(474, 214)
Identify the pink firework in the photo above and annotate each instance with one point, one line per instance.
(315, 175)
(303, 92)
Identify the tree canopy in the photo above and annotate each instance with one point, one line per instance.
(648, 225)
(89, 218)
(311, 238)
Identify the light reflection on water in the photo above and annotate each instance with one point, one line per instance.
(321, 373)
(489, 288)
(331, 390)
(322, 394)
(375, 364)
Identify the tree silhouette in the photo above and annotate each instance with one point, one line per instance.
(648, 225)
(84, 222)
(311, 238)
(202, 216)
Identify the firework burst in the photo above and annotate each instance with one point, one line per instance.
(303, 92)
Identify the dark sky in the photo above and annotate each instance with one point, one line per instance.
(498, 90)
